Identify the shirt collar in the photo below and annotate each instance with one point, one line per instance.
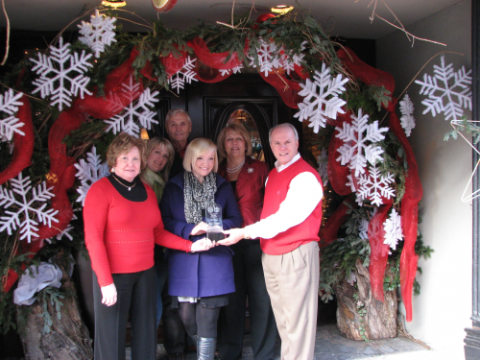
(283, 167)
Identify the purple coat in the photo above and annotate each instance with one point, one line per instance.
(203, 274)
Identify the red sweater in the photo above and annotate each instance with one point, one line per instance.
(120, 234)
(250, 188)
(275, 193)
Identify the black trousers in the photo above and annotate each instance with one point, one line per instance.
(173, 329)
(135, 296)
(249, 281)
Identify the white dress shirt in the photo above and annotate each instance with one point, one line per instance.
(302, 198)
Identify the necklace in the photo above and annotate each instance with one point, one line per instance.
(128, 187)
(236, 168)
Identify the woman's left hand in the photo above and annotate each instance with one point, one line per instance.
(201, 245)
(200, 228)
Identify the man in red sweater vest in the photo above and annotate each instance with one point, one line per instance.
(288, 232)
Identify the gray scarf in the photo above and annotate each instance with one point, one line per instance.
(197, 195)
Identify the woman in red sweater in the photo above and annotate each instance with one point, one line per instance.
(247, 177)
(122, 224)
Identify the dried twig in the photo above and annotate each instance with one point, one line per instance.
(409, 35)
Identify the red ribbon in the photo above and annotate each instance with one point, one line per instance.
(409, 210)
(379, 250)
(214, 60)
(328, 232)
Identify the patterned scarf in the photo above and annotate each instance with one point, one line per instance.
(197, 195)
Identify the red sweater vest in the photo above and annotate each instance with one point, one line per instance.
(275, 193)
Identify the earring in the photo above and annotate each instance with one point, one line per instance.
(112, 170)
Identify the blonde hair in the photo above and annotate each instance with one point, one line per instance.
(123, 143)
(236, 128)
(152, 144)
(197, 148)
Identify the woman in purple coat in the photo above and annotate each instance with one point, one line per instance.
(199, 284)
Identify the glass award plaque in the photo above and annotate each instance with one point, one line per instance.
(213, 218)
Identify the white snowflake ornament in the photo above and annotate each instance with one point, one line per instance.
(448, 92)
(363, 229)
(57, 70)
(267, 55)
(407, 120)
(98, 32)
(321, 99)
(89, 172)
(136, 110)
(289, 59)
(235, 70)
(374, 186)
(185, 75)
(393, 230)
(9, 103)
(359, 147)
(25, 206)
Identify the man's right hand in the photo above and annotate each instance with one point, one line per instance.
(234, 236)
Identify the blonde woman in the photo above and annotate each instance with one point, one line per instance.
(160, 154)
(199, 284)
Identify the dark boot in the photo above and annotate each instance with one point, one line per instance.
(206, 348)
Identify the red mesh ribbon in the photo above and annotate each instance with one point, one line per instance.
(409, 210)
(379, 250)
(22, 144)
(337, 173)
(173, 63)
(367, 74)
(214, 60)
(328, 232)
(287, 89)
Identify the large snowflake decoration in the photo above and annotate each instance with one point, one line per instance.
(359, 147)
(321, 99)
(267, 55)
(235, 70)
(98, 32)
(448, 91)
(24, 206)
(9, 103)
(65, 232)
(393, 230)
(407, 120)
(374, 186)
(54, 78)
(289, 59)
(88, 172)
(139, 110)
(185, 75)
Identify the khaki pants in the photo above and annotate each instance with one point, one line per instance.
(292, 283)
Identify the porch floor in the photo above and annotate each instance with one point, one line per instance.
(331, 345)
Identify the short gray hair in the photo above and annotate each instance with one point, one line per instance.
(171, 113)
(287, 125)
